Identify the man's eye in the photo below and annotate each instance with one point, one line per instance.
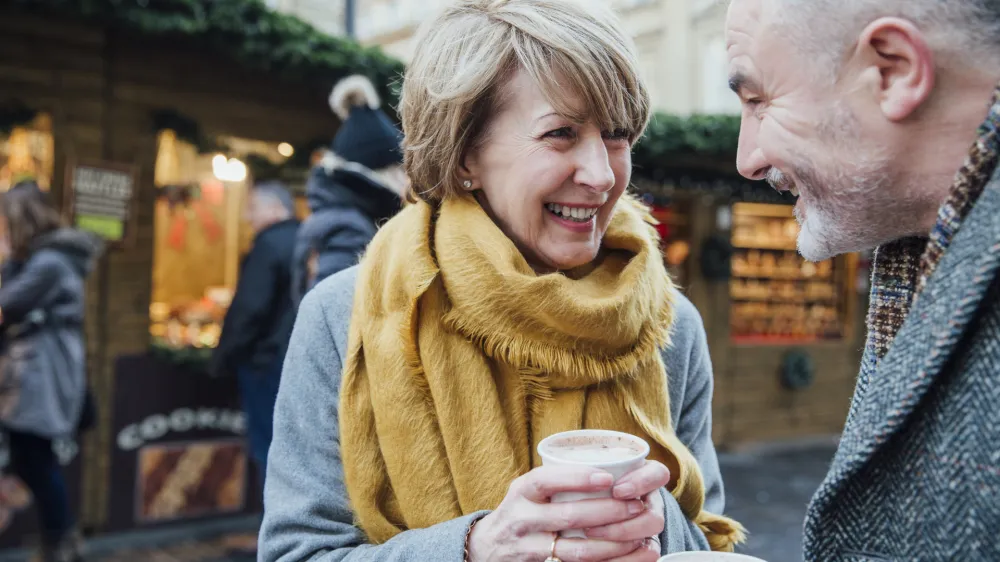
(752, 102)
(562, 133)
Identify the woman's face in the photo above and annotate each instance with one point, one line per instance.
(549, 183)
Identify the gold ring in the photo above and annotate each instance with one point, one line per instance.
(552, 553)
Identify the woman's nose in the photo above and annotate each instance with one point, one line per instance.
(594, 167)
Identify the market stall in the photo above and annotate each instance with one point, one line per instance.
(147, 130)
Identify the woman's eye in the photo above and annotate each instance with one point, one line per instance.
(561, 133)
(618, 134)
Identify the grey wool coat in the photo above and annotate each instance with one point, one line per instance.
(307, 512)
(43, 364)
(917, 475)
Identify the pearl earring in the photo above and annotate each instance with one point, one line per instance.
(467, 184)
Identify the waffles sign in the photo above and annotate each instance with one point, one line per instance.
(181, 420)
(101, 197)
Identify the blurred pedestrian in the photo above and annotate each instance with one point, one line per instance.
(883, 116)
(259, 321)
(358, 185)
(521, 294)
(43, 358)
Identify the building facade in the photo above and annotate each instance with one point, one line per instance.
(325, 15)
(681, 45)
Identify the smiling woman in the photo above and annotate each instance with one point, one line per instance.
(520, 295)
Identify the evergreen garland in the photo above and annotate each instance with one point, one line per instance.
(247, 30)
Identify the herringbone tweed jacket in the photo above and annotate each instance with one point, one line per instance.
(917, 475)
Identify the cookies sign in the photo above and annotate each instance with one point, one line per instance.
(180, 442)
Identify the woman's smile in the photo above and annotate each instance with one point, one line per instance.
(576, 218)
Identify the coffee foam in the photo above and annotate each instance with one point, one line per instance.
(594, 448)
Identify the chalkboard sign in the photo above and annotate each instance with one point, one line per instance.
(100, 198)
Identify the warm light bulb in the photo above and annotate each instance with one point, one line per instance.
(237, 170)
(219, 166)
(231, 170)
(286, 150)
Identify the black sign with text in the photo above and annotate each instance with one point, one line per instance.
(179, 452)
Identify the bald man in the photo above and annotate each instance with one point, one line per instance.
(882, 117)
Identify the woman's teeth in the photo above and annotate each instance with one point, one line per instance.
(577, 214)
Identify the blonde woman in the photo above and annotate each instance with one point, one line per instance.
(522, 294)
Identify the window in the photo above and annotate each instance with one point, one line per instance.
(27, 153)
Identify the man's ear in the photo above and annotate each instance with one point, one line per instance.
(895, 53)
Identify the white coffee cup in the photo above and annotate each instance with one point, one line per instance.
(708, 557)
(625, 454)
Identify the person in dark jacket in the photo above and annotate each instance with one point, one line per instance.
(43, 360)
(259, 321)
(357, 186)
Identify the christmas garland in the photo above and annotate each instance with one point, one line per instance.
(247, 30)
(194, 358)
(715, 135)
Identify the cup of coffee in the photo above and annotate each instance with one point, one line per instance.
(612, 451)
(708, 557)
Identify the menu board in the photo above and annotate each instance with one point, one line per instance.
(100, 199)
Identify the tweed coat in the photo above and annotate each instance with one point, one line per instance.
(917, 474)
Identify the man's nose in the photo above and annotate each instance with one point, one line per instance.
(750, 159)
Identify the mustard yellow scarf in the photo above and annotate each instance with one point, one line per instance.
(461, 359)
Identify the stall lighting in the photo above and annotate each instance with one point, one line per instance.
(228, 170)
(286, 150)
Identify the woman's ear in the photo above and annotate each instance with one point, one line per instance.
(468, 173)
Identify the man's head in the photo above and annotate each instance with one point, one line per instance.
(269, 203)
(865, 108)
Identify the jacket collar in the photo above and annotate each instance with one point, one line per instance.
(276, 226)
(927, 340)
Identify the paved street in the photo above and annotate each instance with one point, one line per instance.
(768, 491)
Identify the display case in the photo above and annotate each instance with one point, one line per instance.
(777, 296)
(200, 238)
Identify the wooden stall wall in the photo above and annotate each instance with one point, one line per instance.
(751, 405)
(100, 89)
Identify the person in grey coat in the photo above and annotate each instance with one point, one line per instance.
(520, 295)
(357, 186)
(885, 121)
(43, 361)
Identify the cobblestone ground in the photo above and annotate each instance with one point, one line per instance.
(767, 490)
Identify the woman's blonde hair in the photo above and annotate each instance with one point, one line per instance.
(465, 55)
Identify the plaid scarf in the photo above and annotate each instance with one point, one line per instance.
(902, 268)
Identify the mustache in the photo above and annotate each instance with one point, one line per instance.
(779, 180)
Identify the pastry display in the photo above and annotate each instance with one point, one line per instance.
(195, 324)
(776, 293)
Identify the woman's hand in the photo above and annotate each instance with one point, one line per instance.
(523, 526)
(646, 483)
